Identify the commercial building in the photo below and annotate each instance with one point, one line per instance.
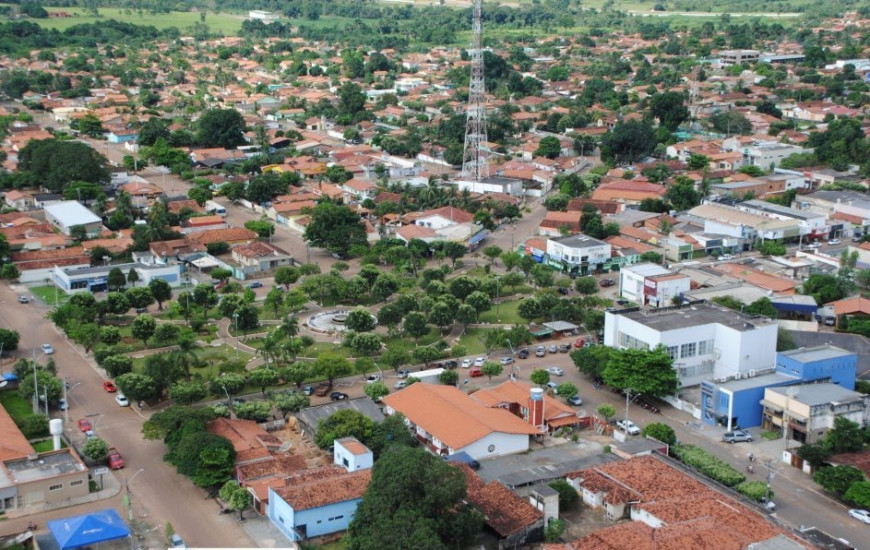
(68, 214)
(805, 413)
(706, 342)
(578, 254)
(651, 284)
(737, 57)
(95, 279)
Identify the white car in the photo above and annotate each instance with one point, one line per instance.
(372, 378)
(121, 400)
(400, 384)
(556, 371)
(552, 385)
(628, 427)
(466, 363)
(834, 241)
(479, 361)
(860, 515)
(47, 349)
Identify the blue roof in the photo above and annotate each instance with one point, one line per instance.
(77, 531)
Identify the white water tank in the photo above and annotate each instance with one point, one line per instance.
(55, 428)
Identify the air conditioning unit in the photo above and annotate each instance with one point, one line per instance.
(751, 373)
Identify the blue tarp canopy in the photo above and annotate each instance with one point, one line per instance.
(10, 376)
(796, 303)
(88, 529)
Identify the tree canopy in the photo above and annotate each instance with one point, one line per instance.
(221, 128)
(649, 372)
(335, 227)
(55, 164)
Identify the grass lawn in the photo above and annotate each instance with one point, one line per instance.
(472, 341)
(19, 409)
(225, 23)
(45, 445)
(212, 356)
(506, 312)
(325, 347)
(49, 295)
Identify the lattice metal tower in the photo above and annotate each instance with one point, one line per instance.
(474, 163)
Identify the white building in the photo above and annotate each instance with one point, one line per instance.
(95, 279)
(810, 223)
(68, 214)
(652, 284)
(705, 341)
(578, 254)
(492, 184)
(352, 455)
(767, 155)
(809, 410)
(264, 16)
(725, 220)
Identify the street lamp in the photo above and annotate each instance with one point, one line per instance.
(127, 483)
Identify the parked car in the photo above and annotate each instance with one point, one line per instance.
(507, 361)
(400, 384)
(479, 361)
(85, 425)
(628, 427)
(540, 351)
(110, 386)
(255, 284)
(114, 458)
(121, 400)
(475, 372)
(575, 400)
(466, 363)
(564, 348)
(556, 371)
(725, 257)
(47, 349)
(523, 353)
(23, 300)
(768, 505)
(834, 241)
(403, 373)
(372, 378)
(175, 541)
(140, 310)
(62, 404)
(307, 390)
(578, 343)
(338, 396)
(607, 281)
(552, 385)
(450, 364)
(553, 348)
(736, 436)
(564, 291)
(860, 515)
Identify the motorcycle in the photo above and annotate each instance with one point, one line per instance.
(31, 526)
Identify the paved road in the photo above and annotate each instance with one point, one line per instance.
(159, 494)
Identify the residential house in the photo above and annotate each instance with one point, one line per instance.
(704, 340)
(577, 254)
(68, 214)
(314, 503)
(631, 192)
(203, 223)
(351, 454)
(257, 257)
(20, 200)
(230, 235)
(178, 250)
(557, 224)
(807, 411)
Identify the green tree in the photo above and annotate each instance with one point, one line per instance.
(207, 459)
(10, 272)
(415, 325)
(237, 497)
(449, 377)
(262, 378)
(426, 354)
(824, 288)
(221, 128)
(539, 377)
(351, 99)
(286, 276)
(649, 372)
(669, 108)
(390, 431)
(859, 494)
(290, 403)
(376, 391)
(414, 500)
(360, 320)
(137, 387)
(530, 309)
(331, 366)
(139, 297)
(586, 285)
(96, 449)
(9, 339)
(335, 227)
(549, 147)
(566, 390)
(343, 423)
(187, 393)
(682, 194)
(657, 430)
(731, 123)
(296, 373)
(110, 335)
(365, 343)
(568, 495)
(160, 290)
(262, 228)
(116, 279)
(54, 164)
(845, 437)
(628, 142)
(606, 410)
(116, 365)
(143, 327)
(258, 411)
(491, 368)
(838, 479)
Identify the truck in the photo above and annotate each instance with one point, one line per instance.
(214, 208)
(114, 458)
(323, 389)
(428, 376)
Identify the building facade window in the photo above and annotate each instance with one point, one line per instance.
(673, 352)
(688, 350)
(705, 347)
(57, 487)
(629, 341)
(76, 483)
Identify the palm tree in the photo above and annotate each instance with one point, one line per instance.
(290, 326)
(271, 345)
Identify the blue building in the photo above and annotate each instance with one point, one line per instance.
(738, 401)
(820, 363)
(317, 502)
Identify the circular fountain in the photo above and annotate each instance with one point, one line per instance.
(328, 321)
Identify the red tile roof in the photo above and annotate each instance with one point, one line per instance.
(229, 235)
(452, 213)
(851, 306)
(339, 487)
(503, 511)
(13, 444)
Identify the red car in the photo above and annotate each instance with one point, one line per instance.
(109, 386)
(475, 372)
(85, 425)
(578, 343)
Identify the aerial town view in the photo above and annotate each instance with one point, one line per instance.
(435, 274)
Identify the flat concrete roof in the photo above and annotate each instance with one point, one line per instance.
(818, 353)
(45, 466)
(764, 380)
(72, 213)
(667, 319)
(819, 394)
(647, 269)
(579, 241)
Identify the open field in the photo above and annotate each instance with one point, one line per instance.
(226, 23)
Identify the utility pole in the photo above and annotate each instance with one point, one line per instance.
(474, 163)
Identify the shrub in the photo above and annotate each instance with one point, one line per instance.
(35, 426)
(756, 490)
(568, 496)
(707, 464)
(554, 530)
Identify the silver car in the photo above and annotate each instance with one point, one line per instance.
(737, 436)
